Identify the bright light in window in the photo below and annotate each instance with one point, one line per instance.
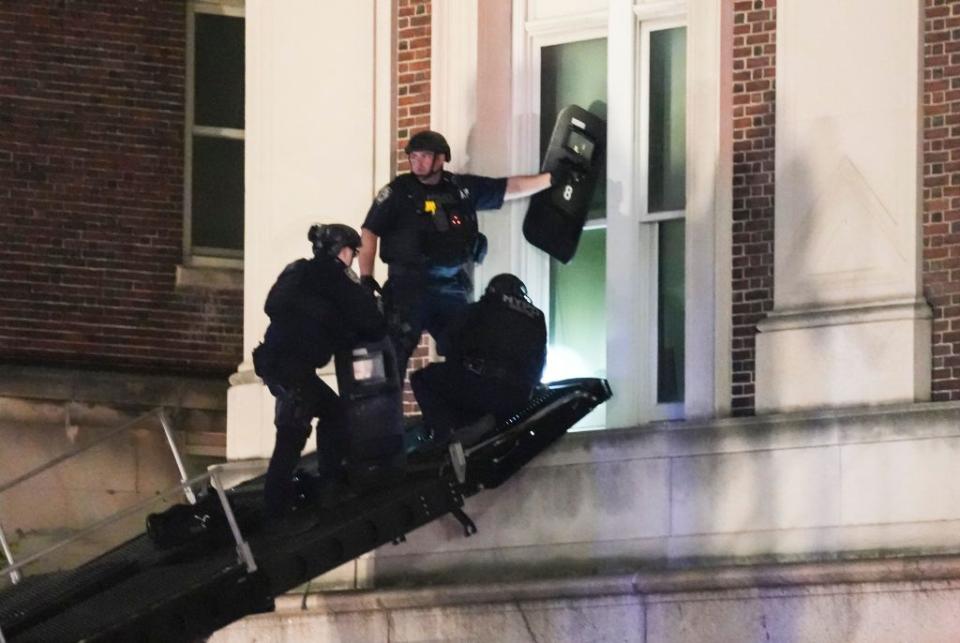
(564, 363)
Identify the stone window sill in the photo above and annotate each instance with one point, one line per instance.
(210, 277)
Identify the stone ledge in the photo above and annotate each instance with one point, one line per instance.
(933, 569)
(72, 385)
(800, 429)
(209, 277)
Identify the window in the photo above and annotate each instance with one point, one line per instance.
(214, 186)
(662, 202)
(617, 310)
(575, 73)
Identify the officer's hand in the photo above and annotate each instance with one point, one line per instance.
(368, 282)
(560, 175)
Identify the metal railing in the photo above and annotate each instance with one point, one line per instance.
(213, 474)
(13, 567)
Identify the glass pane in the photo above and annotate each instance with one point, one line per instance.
(578, 327)
(670, 287)
(574, 73)
(218, 71)
(217, 208)
(667, 165)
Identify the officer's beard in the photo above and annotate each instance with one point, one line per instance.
(433, 176)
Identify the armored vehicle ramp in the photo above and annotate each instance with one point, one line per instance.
(202, 566)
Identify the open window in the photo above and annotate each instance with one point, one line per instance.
(617, 309)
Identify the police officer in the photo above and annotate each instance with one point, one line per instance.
(426, 225)
(316, 307)
(496, 353)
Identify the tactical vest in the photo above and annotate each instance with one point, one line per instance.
(447, 229)
(505, 339)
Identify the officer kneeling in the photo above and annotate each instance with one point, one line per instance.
(495, 357)
(316, 308)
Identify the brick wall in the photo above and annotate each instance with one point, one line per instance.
(413, 115)
(754, 100)
(91, 192)
(941, 190)
(413, 72)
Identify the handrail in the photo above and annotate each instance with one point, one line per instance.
(8, 554)
(171, 440)
(184, 486)
(212, 473)
(66, 456)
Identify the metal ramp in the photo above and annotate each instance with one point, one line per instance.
(197, 585)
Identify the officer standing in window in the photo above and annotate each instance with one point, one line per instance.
(497, 348)
(425, 222)
(316, 307)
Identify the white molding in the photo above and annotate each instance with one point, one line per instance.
(553, 30)
(709, 211)
(453, 76)
(660, 10)
(845, 315)
(384, 93)
(626, 311)
(531, 264)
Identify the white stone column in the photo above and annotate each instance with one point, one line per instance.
(849, 324)
(317, 100)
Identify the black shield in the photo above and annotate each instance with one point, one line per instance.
(555, 217)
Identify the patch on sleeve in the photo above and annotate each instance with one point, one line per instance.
(383, 194)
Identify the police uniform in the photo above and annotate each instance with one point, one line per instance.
(427, 233)
(496, 355)
(316, 308)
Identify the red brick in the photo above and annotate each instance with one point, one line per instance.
(92, 180)
(941, 253)
(754, 101)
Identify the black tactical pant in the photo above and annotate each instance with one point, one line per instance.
(296, 406)
(450, 396)
(414, 303)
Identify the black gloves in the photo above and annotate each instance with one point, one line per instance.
(368, 282)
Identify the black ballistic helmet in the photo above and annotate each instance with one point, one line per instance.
(428, 141)
(506, 284)
(331, 238)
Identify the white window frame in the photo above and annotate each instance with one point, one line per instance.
(529, 38)
(203, 256)
(537, 34)
(649, 223)
(631, 237)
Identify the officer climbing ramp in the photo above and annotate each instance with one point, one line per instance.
(202, 566)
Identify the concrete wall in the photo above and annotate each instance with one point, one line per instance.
(849, 325)
(785, 488)
(46, 414)
(310, 158)
(624, 609)
(813, 526)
